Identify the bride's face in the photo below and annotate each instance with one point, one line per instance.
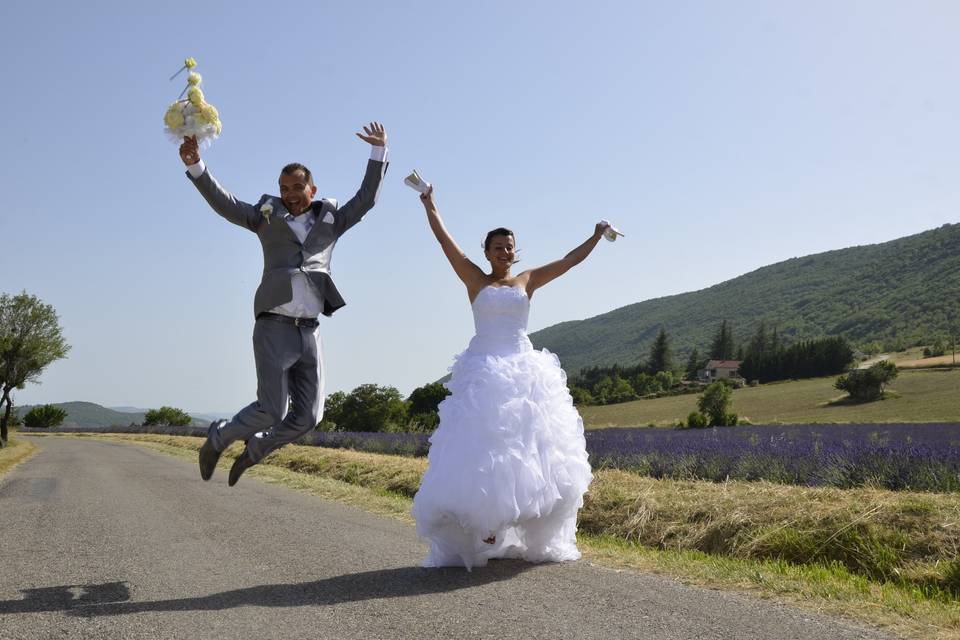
(501, 252)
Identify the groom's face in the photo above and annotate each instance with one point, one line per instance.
(296, 192)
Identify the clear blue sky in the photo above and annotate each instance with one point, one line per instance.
(719, 136)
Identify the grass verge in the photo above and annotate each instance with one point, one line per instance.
(17, 450)
(881, 557)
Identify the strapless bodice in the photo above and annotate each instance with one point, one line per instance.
(500, 318)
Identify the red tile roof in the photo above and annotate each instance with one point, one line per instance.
(724, 364)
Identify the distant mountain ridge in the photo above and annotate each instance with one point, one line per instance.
(89, 414)
(892, 294)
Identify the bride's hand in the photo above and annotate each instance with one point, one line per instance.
(427, 198)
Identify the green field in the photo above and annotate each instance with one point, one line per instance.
(925, 395)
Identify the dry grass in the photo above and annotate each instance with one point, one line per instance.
(829, 590)
(883, 535)
(940, 361)
(17, 450)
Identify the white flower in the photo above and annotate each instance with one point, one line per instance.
(266, 210)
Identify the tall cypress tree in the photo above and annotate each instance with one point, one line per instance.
(693, 364)
(759, 343)
(775, 341)
(722, 347)
(661, 358)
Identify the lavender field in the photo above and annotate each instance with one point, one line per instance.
(921, 457)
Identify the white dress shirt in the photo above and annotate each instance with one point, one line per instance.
(306, 301)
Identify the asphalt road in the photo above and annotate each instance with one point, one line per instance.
(104, 540)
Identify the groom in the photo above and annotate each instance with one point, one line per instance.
(297, 235)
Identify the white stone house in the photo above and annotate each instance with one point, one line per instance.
(720, 370)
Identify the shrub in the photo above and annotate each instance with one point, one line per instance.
(368, 407)
(580, 395)
(167, 416)
(44, 416)
(715, 402)
(696, 420)
(867, 384)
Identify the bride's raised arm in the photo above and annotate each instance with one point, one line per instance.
(542, 275)
(469, 273)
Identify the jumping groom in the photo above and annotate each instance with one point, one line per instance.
(297, 235)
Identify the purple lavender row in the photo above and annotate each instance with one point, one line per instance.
(922, 457)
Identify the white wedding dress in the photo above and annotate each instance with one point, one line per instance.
(509, 458)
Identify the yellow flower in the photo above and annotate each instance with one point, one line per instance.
(173, 118)
(194, 78)
(189, 63)
(209, 114)
(196, 96)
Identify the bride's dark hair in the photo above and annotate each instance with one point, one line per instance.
(499, 231)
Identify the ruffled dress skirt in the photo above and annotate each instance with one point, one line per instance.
(508, 460)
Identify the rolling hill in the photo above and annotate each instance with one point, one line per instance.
(880, 297)
(88, 414)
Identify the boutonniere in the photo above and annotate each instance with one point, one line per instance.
(266, 210)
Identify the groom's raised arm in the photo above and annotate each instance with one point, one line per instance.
(220, 200)
(354, 209)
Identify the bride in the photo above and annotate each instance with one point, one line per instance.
(508, 464)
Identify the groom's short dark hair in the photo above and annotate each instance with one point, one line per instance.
(293, 167)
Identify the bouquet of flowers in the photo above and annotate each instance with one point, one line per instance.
(193, 115)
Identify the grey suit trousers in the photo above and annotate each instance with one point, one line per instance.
(289, 365)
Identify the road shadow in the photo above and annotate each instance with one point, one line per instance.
(113, 598)
(66, 597)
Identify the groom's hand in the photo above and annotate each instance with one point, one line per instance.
(376, 135)
(190, 151)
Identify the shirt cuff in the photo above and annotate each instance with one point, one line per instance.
(196, 170)
(378, 153)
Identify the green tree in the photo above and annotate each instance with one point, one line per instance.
(759, 343)
(715, 403)
(602, 390)
(722, 347)
(167, 416)
(581, 396)
(661, 356)
(332, 410)
(665, 379)
(30, 339)
(423, 402)
(621, 391)
(645, 384)
(775, 342)
(371, 407)
(868, 384)
(694, 364)
(44, 416)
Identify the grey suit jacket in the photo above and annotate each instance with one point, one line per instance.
(283, 253)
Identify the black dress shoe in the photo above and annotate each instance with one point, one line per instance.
(241, 464)
(208, 455)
